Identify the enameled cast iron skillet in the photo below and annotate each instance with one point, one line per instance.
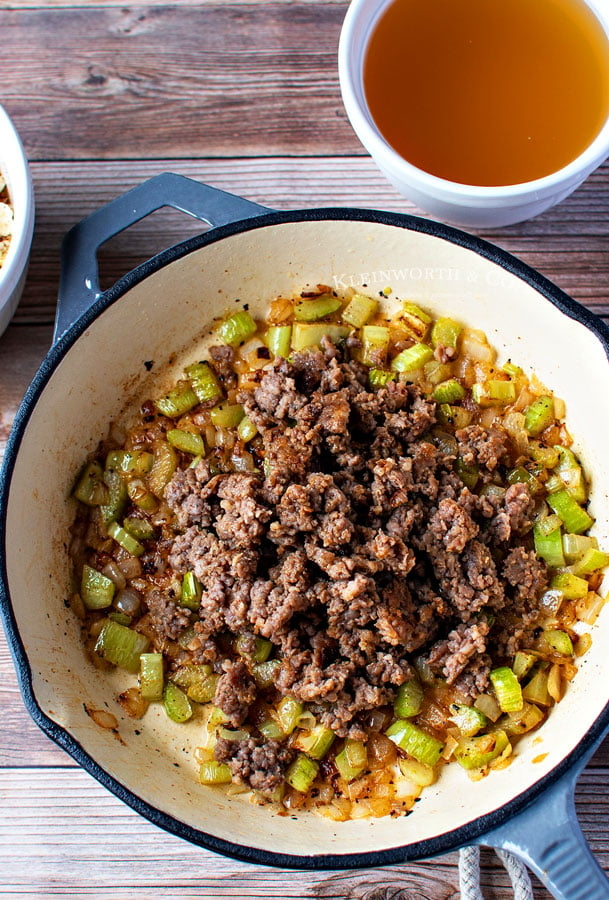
(161, 313)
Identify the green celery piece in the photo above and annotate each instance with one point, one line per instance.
(141, 529)
(352, 759)
(575, 518)
(186, 441)
(547, 524)
(318, 308)
(409, 699)
(523, 663)
(246, 429)
(190, 673)
(469, 474)
(90, 488)
(511, 369)
(177, 705)
(536, 690)
(301, 773)
(124, 539)
(204, 691)
(359, 310)
(414, 319)
(96, 590)
(519, 723)
(129, 462)
(539, 415)
(574, 481)
(212, 772)
(412, 358)
(151, 676)
(559, 641)
(375, 341)
(316, 742)
(204, 382)
(190, 595)
(289, 711)
(468, 719)
(278, 340)
(494, 393)
(520, 475)
(164, 465)
(227, 415)
(236, 329)
(262, 649)
(117, 496)
(480, 750)
(445, 331)
(572, 586)
(549, 546)
(454, 415)
(177, 401)
(140, 496)
(309, 334)
(507, 689)
(448, 391)
(415, 742)
(379, 377)
(547, 456)
(121, 646)
(591, 561)
(265, 674)
(271, 730)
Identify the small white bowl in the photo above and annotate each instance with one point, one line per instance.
(15, 169)
(459, 204)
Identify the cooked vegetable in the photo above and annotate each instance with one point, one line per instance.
(121, 646)
(96, 590)
(151, 676)
(416, 742)
(236, 329)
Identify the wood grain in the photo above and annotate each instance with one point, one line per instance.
(176, 81)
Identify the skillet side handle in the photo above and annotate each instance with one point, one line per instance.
(548, 838)
(79, 281)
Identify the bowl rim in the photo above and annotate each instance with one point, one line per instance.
(24, 213)
(439, 844)
(351, 49)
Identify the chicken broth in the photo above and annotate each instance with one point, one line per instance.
(483, 92)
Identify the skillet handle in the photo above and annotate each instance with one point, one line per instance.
(548, 838)
(79, 282)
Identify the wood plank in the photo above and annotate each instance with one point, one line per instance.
(177, 81)
(65, 831)
(569, 244)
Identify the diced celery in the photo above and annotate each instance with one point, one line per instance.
(190, 673)
(380, 378)
(469, 474)
(315, 742)
(511, 369)
(445, 331)
(271, 730)
(121, 645)
(572, 586)
(204, 382)
(359, 310)
(301, 773)
(523, 721)
(203, 691)
(454, 415)
(520, 475)
(124, 539)
(375, 341)
(536, 691)
(177, 705)
(151, 676)
(549, 546)
(412, 358)
(236, 329)
(113, 508)
(96, 590)
(259, 653)
(178, 401)
(190, 594)
(448, 391)
(186, 441)
(352, 759)
(164, 465)
(591, 561)
(289, 711)
(480, 750)
(468, 719)
(547, 456)
(415, 742)
(306, 334)
(318, 308)
(559, 641)
(227, 415)
(409, 699)
(278, 340)
(575, 518)
(90, 488)
(142, 529)
(265, 674)
(414, 320)
(573, 480)
(523, 663)
(212, 772)
(246, 429)
(547, 524)
(129, 462)
(539, 415)
(417, 772)
(494, 393)
(507, 689)
(575, 545)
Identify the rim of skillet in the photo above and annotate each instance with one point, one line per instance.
(439, 844)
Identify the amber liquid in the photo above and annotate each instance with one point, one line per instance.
(488, 92)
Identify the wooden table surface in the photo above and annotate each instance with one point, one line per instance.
(242, 94)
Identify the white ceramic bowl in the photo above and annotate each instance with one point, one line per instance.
(467, 205)
(15, 169)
